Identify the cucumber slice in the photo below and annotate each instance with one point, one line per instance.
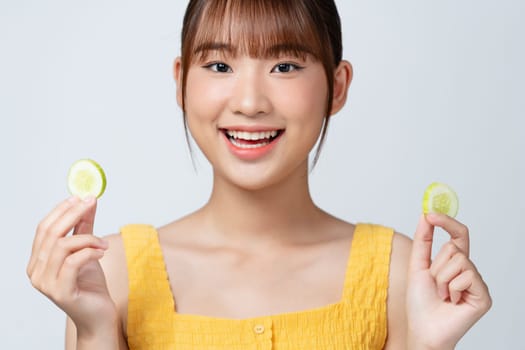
(440, 198)
(86, 178)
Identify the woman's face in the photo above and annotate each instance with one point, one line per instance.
(255, 119)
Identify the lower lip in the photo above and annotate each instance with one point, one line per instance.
(251, 153)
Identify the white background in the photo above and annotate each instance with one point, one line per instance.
(437, 95)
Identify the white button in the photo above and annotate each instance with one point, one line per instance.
(259, 329)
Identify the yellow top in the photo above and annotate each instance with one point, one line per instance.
(357, 321)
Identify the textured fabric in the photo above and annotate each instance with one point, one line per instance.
(357, 321)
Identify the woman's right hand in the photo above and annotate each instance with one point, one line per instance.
(65, 268)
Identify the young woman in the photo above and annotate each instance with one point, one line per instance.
(259, 266)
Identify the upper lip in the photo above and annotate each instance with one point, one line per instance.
(251, 128)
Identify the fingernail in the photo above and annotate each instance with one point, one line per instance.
(72, 199)
(89, 199)
(432, 217)
(104, 244)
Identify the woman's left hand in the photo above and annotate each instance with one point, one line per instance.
(446, 296)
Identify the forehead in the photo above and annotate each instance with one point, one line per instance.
(258, 28)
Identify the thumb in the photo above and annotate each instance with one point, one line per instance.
(87, 221)
(420, 258)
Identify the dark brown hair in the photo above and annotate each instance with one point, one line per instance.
(256, 27)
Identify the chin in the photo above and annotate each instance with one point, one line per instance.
(266, 178)
(252, 183)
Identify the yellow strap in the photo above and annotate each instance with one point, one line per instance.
(150, 301)
(369, 258)
(366, 283)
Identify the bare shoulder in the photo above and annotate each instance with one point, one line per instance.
(115, 269)
(401, 248)
(396, 317)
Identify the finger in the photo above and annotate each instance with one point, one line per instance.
(61, 227)
(67, 277)
(461, 283)
(470, 287)
(457, 231)
(67, 246)
(421, 246)
(43, 226)
(87, 222)
(45, 274)
(447, 251)
(455, 266)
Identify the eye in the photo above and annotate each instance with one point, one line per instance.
(219, 67)
(285, 68)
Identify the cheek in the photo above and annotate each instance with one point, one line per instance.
(199, 112)
(203, 99)
(306, 95)
(304, 104)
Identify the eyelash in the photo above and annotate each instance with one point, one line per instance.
(224, 68)
(293, 67)
(214, 66)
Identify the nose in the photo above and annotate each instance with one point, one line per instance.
(250, 95)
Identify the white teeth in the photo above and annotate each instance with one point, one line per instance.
(245, 135)
(243, 145)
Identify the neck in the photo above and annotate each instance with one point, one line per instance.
(283, 212)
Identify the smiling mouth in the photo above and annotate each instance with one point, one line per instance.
(248, 139)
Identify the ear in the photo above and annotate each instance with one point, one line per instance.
(177, 74)
(342, 79)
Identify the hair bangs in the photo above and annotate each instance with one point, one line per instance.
(257, 28)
